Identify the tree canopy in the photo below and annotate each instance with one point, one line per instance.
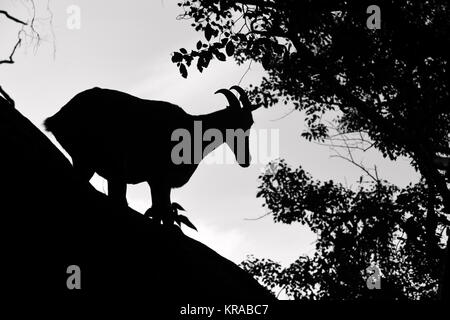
(376, 223)
(389, 83)
(319, 56)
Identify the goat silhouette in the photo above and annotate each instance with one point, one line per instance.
(128, 140)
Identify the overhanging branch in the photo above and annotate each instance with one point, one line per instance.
(5, 96)
(12, 18)
(342, 92)
(10, 60)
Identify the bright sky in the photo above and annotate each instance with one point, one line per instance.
(127, 47)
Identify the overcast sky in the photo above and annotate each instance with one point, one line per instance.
(126, 45)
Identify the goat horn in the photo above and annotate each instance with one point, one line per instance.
(244, 98)
(232, 99)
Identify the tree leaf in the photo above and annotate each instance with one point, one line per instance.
(208, 32)
(183, 71)
(200, 64)
(229, 49)
(177, 57)
(265, 61)
(219, 55)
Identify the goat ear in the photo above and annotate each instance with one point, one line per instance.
(232, 100)
(246, 104)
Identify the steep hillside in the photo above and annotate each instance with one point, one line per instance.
(51, 220)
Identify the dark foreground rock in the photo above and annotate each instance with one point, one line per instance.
(50, 220)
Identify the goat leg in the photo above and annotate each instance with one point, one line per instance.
(117, 191)
(161, 209)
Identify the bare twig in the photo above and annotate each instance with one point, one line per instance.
(342, 146)
(51, 28)
(359, 165)
(11, 17)
(33, 30)
(20, 35)
(350, 141)
(245, 73)
(284, 116)
(281, 290)
(253, 219)
(28, 32)
(10, 60)
(6, 97)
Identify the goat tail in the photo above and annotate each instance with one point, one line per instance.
(49, 124)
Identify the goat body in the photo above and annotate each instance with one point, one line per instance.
(128, 140)
(121, 136)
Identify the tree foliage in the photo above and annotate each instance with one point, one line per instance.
(320, 56)
(390, 83)
(376, 223)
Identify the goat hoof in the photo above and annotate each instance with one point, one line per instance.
(176, 206)
(149, 213)
(153, 214)
(168, 222)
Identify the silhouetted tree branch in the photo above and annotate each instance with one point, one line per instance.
(11, 17)
(19, 40)
(375, 222)
(5, 96)
(320, 57)
(10, 59)
(34, 34)
(350, 142)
